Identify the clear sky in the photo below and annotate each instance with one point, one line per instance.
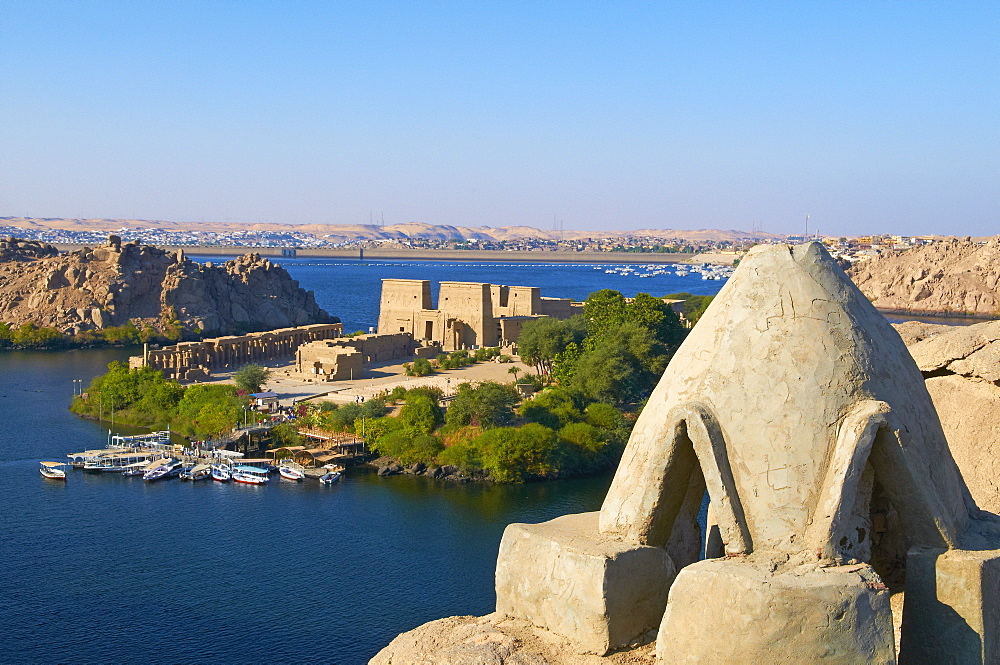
(869, 116)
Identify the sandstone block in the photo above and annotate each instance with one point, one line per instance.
(951, 613)
(562, 575)
(732, 611)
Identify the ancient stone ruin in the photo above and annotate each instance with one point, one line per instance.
(796, 407)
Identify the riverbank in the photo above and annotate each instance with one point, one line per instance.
(448, 254)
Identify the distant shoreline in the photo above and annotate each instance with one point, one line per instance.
(448, 254)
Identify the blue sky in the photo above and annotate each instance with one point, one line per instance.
(869, 117)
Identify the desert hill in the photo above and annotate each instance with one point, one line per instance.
(347, 232)
(950, 277)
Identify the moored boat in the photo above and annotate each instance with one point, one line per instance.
(291, 471)
(330, 477)
(53, 470)
(161, 469)
(222, 472)
(196, 472)
(249, 475)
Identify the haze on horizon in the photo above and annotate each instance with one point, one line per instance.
(869, 117)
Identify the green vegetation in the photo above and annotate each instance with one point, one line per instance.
(31, 336)
(556, 434)
(614, 353)
(453, 360)
(419, 367)
(251, 378)
(144, 398)
(694, 306)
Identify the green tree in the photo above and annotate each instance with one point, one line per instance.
(541, 340)
(513, 455)
(421, 413)
(252, 377)
(488, 404)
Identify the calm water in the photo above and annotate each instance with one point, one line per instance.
(105, 568)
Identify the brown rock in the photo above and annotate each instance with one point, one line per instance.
(953, 277)
(118, 283)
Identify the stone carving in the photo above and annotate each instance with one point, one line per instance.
(800, 410)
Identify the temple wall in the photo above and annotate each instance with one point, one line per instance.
(339, 359)
(469, 314)
(193, 361)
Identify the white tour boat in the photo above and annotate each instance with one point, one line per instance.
(53, 470)
(250, 475)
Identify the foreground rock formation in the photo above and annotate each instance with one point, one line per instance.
(961, 367)
(799, 410)
(954, 276)
(92, 289)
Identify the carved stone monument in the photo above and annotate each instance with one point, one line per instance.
(797, 407)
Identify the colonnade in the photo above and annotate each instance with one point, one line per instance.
(188, 361)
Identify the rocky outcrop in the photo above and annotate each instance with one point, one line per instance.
(494, 640)
(92, 289)
(12, 249)
(961, 368)
(958, 277)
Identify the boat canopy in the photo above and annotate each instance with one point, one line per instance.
(53, 464)
(250, 469)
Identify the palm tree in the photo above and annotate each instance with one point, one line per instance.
(514, 370)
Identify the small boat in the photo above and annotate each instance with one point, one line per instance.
(196, 472)
(329, 478)
(163, 469)
(222, 473)
(250, 475)
(291, 471)
(53, 470)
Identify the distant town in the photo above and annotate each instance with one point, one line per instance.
(436, 238)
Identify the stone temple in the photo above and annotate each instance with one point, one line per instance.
(796, 408)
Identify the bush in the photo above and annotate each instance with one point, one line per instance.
(419, 367)
(409, 446)
(463, 455)
(421, 413)
(487, 404)
(513, 455)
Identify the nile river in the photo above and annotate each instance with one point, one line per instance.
(105, 568)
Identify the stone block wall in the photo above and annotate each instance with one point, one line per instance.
(194, 361)
(469, 314)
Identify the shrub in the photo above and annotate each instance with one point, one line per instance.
(487, 404)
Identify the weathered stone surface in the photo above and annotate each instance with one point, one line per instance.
(969, 410)
(740, 612)
(951, 613)
(778, 396)
(13, 249)
(494, 640)
(600, 593)
(972, 351)
(961, 368)
(148, 286)
(954, 276)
